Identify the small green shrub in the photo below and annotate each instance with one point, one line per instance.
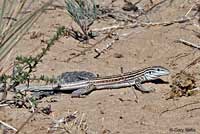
(83, 12)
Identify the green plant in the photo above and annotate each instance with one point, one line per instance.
(25, 66)
(83, 12)
(14, 23)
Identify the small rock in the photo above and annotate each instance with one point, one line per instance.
(129, 6)
(118, 55)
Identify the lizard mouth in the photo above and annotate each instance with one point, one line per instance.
(156, 76)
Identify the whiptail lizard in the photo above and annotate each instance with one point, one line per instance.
(109, 82)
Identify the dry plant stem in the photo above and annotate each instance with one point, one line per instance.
(75, 122)
(99, 52)
(173, 109)
(109, 45)
(151, 8)
(186, 15)
(197, 60)
(188, 43)
(32, 106)
(7, 125)
(196, 108)
(81, 121)
(142, 24)
(22, 126)
(122, 26)
(166, 23)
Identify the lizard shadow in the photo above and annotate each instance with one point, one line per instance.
(157, 81)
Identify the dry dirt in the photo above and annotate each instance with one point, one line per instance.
(115, 111)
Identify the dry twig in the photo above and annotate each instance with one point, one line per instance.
(188, 43)
(27, 120)
(154, 6)
(142, 24)
(109, 45)
(166, 23)
(72, 123)
(194, 62)
(173, 109)
(7, 125)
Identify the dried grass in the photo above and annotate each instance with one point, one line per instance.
(14, 24)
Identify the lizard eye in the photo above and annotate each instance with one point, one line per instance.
(158, 69)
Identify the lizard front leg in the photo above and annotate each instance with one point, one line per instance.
(81, 92)
(143, 88)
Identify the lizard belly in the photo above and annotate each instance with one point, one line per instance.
(115, 85)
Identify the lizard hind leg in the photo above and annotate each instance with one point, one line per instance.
(83, 91)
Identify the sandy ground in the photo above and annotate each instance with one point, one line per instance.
(115, 111)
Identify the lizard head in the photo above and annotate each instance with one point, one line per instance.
(154, 72)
